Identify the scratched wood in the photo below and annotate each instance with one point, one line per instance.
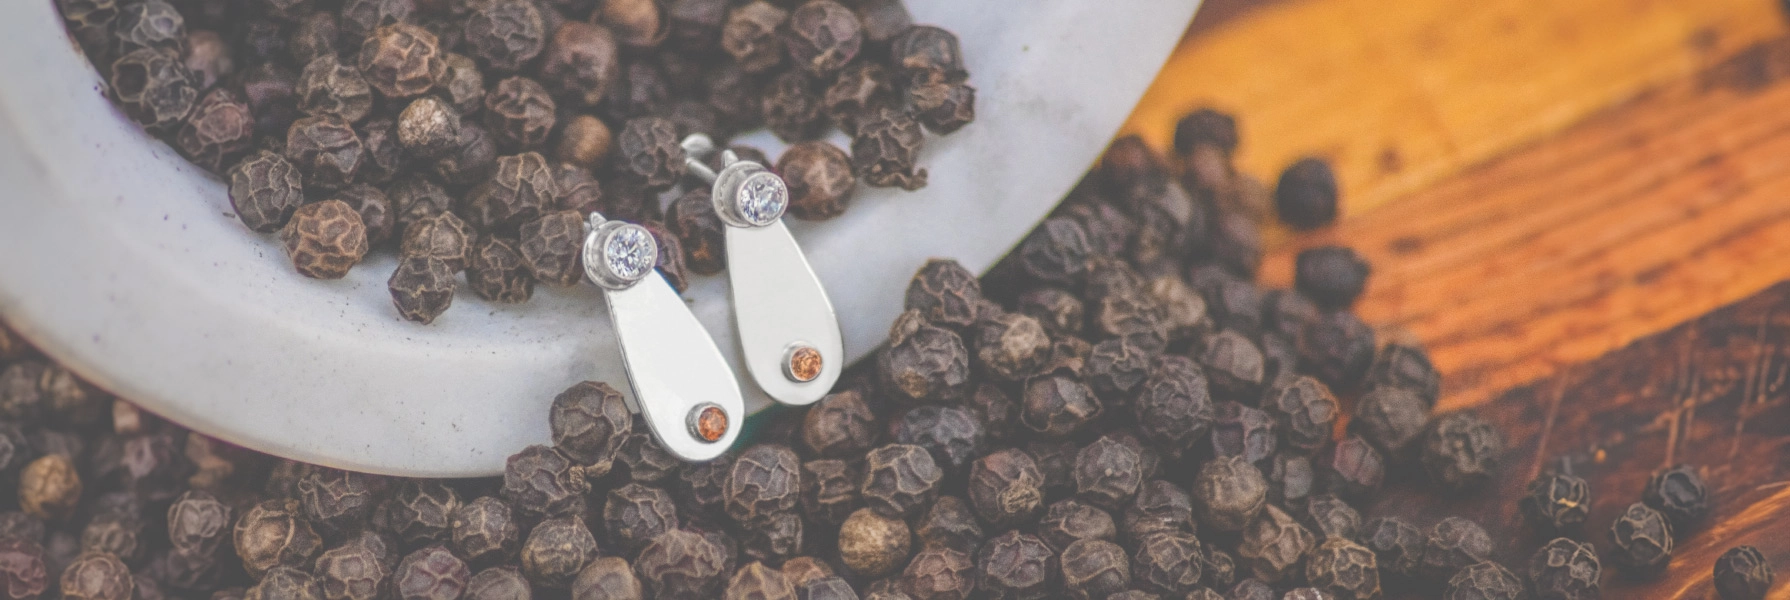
(1713, 392)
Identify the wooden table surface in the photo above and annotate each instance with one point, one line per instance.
(1540, 184)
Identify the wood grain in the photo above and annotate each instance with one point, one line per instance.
(1713, 392)
(1400, 95)
(1637, 219)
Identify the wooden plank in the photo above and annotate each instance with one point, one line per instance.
(1404, 94)
(1636, 220)
(1713, 392)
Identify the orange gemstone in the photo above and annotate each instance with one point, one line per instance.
(711, 423)
(804, 364)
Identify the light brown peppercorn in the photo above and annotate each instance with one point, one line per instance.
(155, 89)
(97, 576)
(326, 149)
(873, 545)
(639, 23)
(484, 531)
(607, 578)
(1345, 569)
(218, 131)
(520, 188)
(429, 128)
(803, 569)
(273, 534)
(422, 288)
(581, 61)
(584, 141)
(50, 487)
(552, 247)
(505, 34)
(750, 36)
(461, 83)
(820, 179)
(900, 479)
(556, 550)
(265, 190)
(329, 88)
(401, 60)
(519, 113)
(442, 236)
(325, 239)
(755, 581)
(822, 36)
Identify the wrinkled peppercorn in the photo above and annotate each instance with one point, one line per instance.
(556, 550)
(273, 534)
(750, 36)
(1344, 569)
(473, 159)
(541, 481)
(155, 88)
(1117, 369)
(581, 61)
(924, 362)
(951, 434)
(1206, 127)
(950, 524)
(839, 425)
(830, 490)
(265, 190)
(1642, 538)
(326, 149)
(118, 534)
(1564, 569)
(505, 34)
(1069, 520)
(1679, 494)
(1017, 566)
(422, 288)
(945, 293)
(335, 501)
(1006, 487)
(519, 113)
(1484, 581)
(1306, 197)
(354, 570)
(589, 421)
(792, 107)
(1108, 472)
(650, 152)
(1244, 431)
(1556, 502)
(420, 512)
(1058, 405)
(1332, 517)
(1337, 349)
(899, 479)
(401, 60)
(1159, 507)
(1175, 407)
(218, 131)
(755, 581)
(1274, 545)
(1095, 569)
(766, 481)
(520, 188)
(328, 88)
(441, 236)
(552, 247)
(873, 545)
(884, 149)
(484, 531)
(496, 271)
(1168, 563)
(49, 487)
(607, 578)
(1453, 544)
(1406, 366)
(635, 514)
(1398, 544)
(498, 583)
(1352, 468)
(22, 571)
(1230, 492)
(97, 576)
(645, 459)
(1234, 366)
(1461, 451)
(682, 564)
(1743, 573)
(198, 523)
(1390, 418)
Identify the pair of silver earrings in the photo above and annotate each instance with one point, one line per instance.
(789, 337)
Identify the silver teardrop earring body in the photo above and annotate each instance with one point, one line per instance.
(789, 335)
(682, 385)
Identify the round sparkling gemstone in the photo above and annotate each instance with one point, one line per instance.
(630, 253)
(762, 198)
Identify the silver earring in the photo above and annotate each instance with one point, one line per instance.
(682, 384)
(788, 333)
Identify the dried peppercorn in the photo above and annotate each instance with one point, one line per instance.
(1244, 431)
(1093, 568)
(1057, 405)
(945, 293)
(1234, 366)
(422, 288)
(551, 247)
(335, 501)
(792, 107)
(1175, 407)
(520, 188)
(1642, 539)
(484, 531)
(1159, 507)
(152, 24)
(401, 60)
(1679, 494)
(1305, 410)
(766, 481)
(49, 487)
(606, 578)
(1230, 492)
(325, 239)
(505, 34)
(473, 158)
(950, 524)
(1337, 349)
(443, 237)
(1011, 346)
(1069, 520)
(951, 434)
(154, 87)
(428, 128)
(315, 35)
(115, 533)
(1332, 517)
(822, 36)
(635, 514)
(1108, 472)
(1055, 252)
(1484, 581)
(274, 534)
(645, 459)
(1306, 196)
(939, 574)
(581, 61)
(1332, 276)
(354, 570)
(1058, 310)
(803, 569)
(556, 550)
(1563, 569)
(326, 149)
(496, 271)
(924, 362)
(1344, 569)
(839, 424)
(1398, 544)
(885, 148)
(899, 479)
(519, 113)
(22, 570)
(873, 545)
(1168, 563)
(1352, 468)
(584, 141)
(1006, 487)
(755, 581)
(1251, 589)
(541, 481)
(682, 564)
(750, 36)
(328, 88)
(1274, 545)
(461, 83)
(1461, 450)
(1742, 573)
(1390, 418)
(498, 583)
(1017, 566)
(952, 107)
(1453, 544)
(97, 576)
(1406, 366)
(830, 490)
(1556, 502)
(197, 523)
(588, 421)
(420, 512)
(265, 190)
(638, 23)
(218, 131)
(1116, 370)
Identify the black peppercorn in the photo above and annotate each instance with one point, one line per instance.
(354, 570)
(22, 570)
(1095, 569)
(265, 190)
(1058, 310)
(401, 60)
(218, 131)
(1245, 431)
(326, 149)
(336, 502)
(1108, 472)
(1117, 370)
(505, 34)
(830, 490)
(520, 188)
(432, 573)
(750, 36)
(1006, 487)
(325, 239)
(197, 523)
(1679, 494)
(766, 481)
(645, 459)
(1306, 197)
(758, 582)
(1175, 407)
(1159, 507)
(1251, 589)
(634, 514)
(1069, 520)
(1352, 468)
(499, 583)
(950, 524)
(1015, 565)
(1461, 450)
(581, 61)
(420, 512)
(589, 421)
(1484, 581)
(885, 147)
(1058, 405)
(556, 550)
(473, 159)
(1556, 502)
(924, 362)
(551, 247)
(1337, 349)
(822, 36)
(1333, 276)
(1743, 573)
(951, 434)
(1390, 418)
(97, 576)
(273, 534)
(839, 425)
(541, 481)
(899, 479)
(650, 152)
(683, 564)
(519, 113)
(1344, 569)
(496, 271)
(1233, 365)
(584, 141)
(1564, 569)
(1452, 545)
(792, 107)
(1332, 517)
(115, 533)
(873, 545)
(154, 87)
(1206, 127)
(1168, 563)
(1230, 492)
(1642, 538)
(1274, 545)
(945, 293)
(484, 531)
(1398, 544)
(422, 288)
(607, 578)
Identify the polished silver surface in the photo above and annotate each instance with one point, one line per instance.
(672, 363)
(779, 303)
(617, 255)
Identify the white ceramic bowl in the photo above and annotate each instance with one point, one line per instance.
(125, 263)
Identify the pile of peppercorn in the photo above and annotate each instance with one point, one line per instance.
(1116, 412)
(475, 135)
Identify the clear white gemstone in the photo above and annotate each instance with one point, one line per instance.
(763, 198)
(630, 252)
